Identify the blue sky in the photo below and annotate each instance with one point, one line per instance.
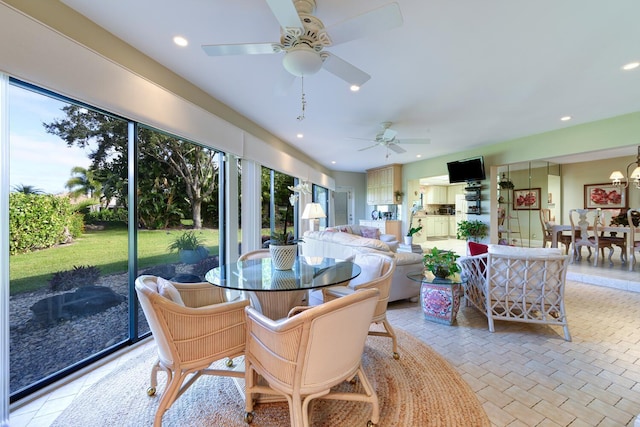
(37, 158)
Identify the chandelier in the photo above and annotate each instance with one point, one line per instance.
(617, 176)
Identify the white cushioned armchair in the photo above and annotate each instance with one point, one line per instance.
(518, 285)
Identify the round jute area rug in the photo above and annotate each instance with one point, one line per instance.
(420, 389)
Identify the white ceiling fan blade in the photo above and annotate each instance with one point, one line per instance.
(284, 83)
(375, 21)
(342, 69)
(366, 148)
(414, 141)
(286, 13)
(389, 134)
(361, 139)
(238, 49)
(396, 148)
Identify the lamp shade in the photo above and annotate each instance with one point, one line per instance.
(313, 211)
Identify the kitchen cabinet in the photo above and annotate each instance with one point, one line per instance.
(437, 225)
(383, 183)
(436, 195)
(453, 226)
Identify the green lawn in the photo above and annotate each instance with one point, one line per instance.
(105, 249)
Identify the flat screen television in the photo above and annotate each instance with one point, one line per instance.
(466, 170)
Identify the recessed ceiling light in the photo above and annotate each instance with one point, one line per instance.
(631, 66)
(300, 135)
(419, 155)
(354, 88)
(333, 162)
(565, 118)
(180, 41)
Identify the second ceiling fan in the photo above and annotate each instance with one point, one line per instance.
(387, 137)
(303, 38)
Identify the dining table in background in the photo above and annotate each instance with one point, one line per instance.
(557, 229)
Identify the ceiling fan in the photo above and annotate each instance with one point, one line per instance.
(387, 138)
(303, 38)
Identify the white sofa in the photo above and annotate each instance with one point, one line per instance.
(343, 245)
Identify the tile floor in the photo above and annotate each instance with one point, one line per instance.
(524, 375)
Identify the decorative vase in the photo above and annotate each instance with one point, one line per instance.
(441, 272)
(283, 256)
(408, 240)
(193, 256)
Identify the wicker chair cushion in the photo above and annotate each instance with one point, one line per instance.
(524, 252)
(167, 290)
(371, 267)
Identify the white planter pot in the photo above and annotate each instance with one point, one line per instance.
(408, 240)
(283, 256)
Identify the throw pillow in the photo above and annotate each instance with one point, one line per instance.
(371, 268)
(477, 248)
(370, 232)
(167, 290)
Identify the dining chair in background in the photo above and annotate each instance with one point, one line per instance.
(633, 217)
(546, 221)
(603, 217)
(193, 326)
(585, 231)
(376, 273)
(304, 356)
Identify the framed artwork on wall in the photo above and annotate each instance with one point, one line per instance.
(526, 199)
(605, 196)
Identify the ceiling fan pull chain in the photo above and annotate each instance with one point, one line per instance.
(304, 103)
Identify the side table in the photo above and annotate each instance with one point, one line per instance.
(440, 298)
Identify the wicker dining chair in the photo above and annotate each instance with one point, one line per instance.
(193, 326)
(377, 271)
(306, 355)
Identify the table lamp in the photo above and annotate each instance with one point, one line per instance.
(313, 211)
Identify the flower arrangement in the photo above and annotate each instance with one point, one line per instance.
(284, 237)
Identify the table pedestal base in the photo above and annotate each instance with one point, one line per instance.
(440, 302)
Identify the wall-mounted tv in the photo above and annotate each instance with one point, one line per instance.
(466, 170)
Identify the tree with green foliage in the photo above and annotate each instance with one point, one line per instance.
(188, 168)
(27, 189)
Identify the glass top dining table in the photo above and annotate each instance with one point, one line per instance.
(258, 275)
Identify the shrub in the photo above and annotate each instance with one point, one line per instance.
(38, 221)
(76, 278)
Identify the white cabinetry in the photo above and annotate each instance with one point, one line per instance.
(453, 226)
(436, 195)
(382, 184)
(436, 226)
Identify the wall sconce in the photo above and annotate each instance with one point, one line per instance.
(617, 176)
(313, 211)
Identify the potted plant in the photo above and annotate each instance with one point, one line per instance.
(282, 245)
(473, 230)
(189, 246)
(408, 239)
(441, 263)
(398, 195)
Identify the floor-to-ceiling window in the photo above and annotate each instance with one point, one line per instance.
(95, 200)
(321, 196)
(279, 214)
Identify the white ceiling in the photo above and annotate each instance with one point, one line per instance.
(463, 73)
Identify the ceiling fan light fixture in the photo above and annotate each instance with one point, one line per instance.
(302, 61)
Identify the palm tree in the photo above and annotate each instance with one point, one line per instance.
(82, 183)
(27, 189)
